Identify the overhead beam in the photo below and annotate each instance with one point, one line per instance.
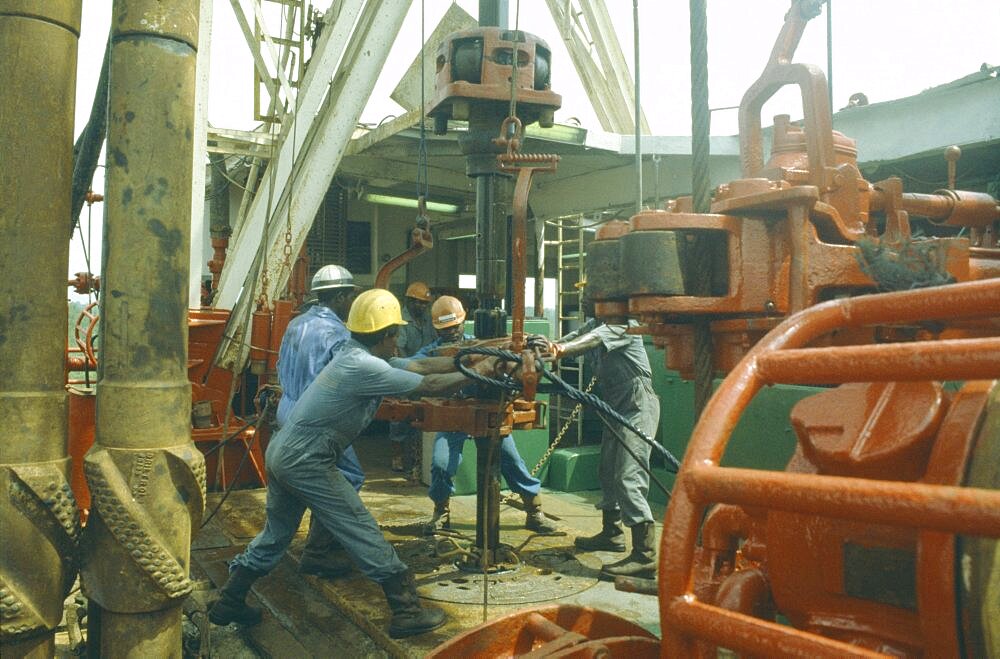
(245, 242)
(370, 167)
(308, 172)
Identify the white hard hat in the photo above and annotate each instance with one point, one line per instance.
(330, 277)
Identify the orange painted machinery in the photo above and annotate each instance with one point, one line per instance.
(880, 537)
(233, 446)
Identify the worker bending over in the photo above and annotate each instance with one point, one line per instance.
(332, 412)
(309, 344)
(448, 317)
(624, 381)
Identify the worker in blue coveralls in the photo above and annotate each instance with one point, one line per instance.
(310, 342)
(332, 412)
(448, 317)
(417, 333)
(624, 381)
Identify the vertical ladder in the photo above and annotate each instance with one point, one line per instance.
(569, 257)
(288, 48)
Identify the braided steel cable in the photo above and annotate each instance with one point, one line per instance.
(561, 387)
(700, 255)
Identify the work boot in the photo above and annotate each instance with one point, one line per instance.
(535, 520)
(323, 556)
(408, 617)
(611, 537)
(232, 606)
(440, 520)
(397, 456)
(641, 562)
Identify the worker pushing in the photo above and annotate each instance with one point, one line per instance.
(331, 413)
(448, 318)
(624, 379)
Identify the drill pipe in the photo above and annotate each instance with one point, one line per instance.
(147, 480)
(38, 516)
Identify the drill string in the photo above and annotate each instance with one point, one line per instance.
(559, 386)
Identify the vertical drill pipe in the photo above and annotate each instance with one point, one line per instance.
(701, 253)
(494, 13)
(146, 478)
(38, 521)
(491, 244)
(488, 496)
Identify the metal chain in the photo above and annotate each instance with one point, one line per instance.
(555, 443)
(562, 431)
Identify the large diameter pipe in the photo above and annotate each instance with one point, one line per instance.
(38, 520)
(146, 478)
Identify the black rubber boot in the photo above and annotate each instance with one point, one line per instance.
(611, 537)
(641, 562)
(232, 606)
(535, 520)
(441, 519)
(323, 556)
(408, 617)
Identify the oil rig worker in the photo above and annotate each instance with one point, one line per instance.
(309, 344)
(300, 458)
(624, 381)
(448, 318)
(417, 333)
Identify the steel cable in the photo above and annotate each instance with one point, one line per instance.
(559, 386)
(699, 261)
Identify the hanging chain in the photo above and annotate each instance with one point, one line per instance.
(286, 263)
(559, 437)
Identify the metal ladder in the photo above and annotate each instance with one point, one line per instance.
(287, 53)
(569, 257)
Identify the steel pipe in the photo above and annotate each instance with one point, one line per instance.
(917, 505)
(38, 517)
(746, 634)
(953, 359)
(147, 480)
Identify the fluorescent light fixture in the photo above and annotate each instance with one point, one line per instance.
(558, 133)
(407, 202)
(464, 236)
(467, 281)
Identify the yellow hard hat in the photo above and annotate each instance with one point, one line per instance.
(374, 310)
(447, 311)
(418, 290)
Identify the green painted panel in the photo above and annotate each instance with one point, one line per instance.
(763, 439)
(574, 468)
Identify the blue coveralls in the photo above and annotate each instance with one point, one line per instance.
(413, 336)
(625, 382)
(308, 345)
(332, 412)
(448, 455)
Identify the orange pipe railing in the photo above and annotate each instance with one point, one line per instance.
(685, 620)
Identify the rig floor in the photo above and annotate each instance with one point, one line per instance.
(308, 616)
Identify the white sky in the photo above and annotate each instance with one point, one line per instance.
(885, 48)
